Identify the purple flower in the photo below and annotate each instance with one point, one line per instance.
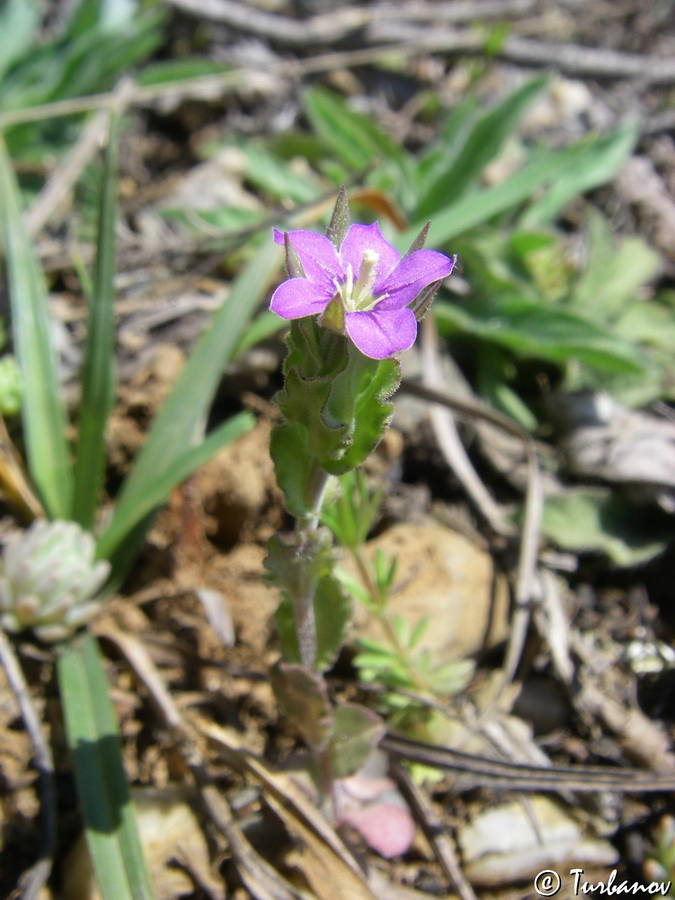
(373, 286)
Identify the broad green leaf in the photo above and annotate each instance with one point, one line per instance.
(98, 376)
(597, 162)
(353, 137)
(356, 733)
(544, 169)
(539, 332)
(274, 176)
(19, 21)
(332, 614)
(292, 466)
(43, 416)
(600, 520)
(372, 412)
(337, 394)
(481, 146)
(614, 272)
(93, 739)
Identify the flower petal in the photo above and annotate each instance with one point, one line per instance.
(368, 237)
(298, 297)
(410, 276)
(382, 333)
(318, 256)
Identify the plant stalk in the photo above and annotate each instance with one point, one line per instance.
(303, 599)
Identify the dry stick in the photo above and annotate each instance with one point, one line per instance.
(326, 29)
(441, 843)
(380, 24)
(63, 178)
(569, 58)
(260, 878)
(527, 558)
(448, 438)
(32, 881)
(482, 772)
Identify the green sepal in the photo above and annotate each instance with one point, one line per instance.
(294, 266)
(340, 220)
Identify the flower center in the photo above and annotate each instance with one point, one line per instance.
(358, 297)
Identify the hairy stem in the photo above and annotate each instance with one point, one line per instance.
(303, 600)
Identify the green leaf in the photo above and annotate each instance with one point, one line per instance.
(538, 332)
(43, 416)
(356, 733)
(337, 394)
(600, 520)
(376, 383)
(93, 738)
(615, 271)
(183, 69)
(176, 429)
(262, 327)
(293, 467)
(274, 176)
(302, 573)
(543, 169)
(353, 137)
(597, 160)
(19, 22)
(332, 613)
(98, 375)
(481, 146)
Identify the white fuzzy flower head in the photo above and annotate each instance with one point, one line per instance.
(48, 579)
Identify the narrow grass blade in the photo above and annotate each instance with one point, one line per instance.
(107, 810)
(44, 420)
(98, 370)
(161, 486)
(175, 430)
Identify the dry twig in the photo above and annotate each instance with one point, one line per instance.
(35, 878)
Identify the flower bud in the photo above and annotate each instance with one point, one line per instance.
(48, 577)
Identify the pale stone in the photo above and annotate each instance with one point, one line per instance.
(443, 576)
